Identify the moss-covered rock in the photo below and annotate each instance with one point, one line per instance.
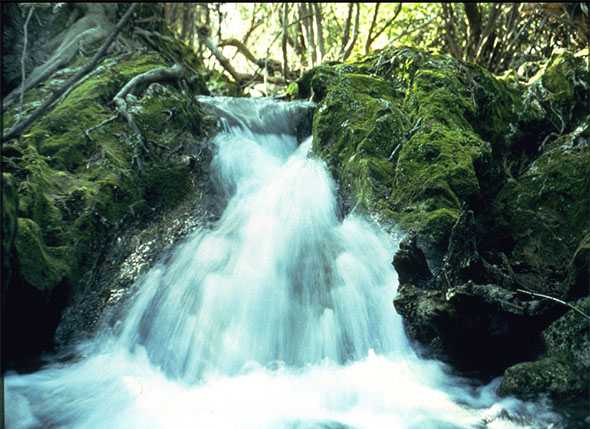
(546, 212)
(421, 139)
(564, 371)
(356, 129)
(403, 134)
(82, 174)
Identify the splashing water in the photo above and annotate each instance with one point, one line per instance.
(279, 317)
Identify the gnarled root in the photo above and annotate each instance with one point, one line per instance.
(161, 74)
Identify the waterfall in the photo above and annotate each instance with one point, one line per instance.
(279, 316)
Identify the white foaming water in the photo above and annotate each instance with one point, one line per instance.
(279, 317)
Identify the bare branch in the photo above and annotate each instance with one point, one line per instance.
(284, 41)
(387, 24)
(552, 298)
(210, 44)
(371, 28)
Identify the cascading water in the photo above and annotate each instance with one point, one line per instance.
(279, 317)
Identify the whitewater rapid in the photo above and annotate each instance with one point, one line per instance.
(280, 316)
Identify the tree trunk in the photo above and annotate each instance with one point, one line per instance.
(284, 41)
(474, 29)
(355, 33)
(319, 30)
(346, 31)
(371, 28)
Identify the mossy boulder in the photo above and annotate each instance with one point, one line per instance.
(403, 135)
(356, 129)
(421, 140)
(41, 266)
(82, 175)
(546, 212)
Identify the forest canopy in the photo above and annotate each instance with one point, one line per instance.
(276, 42)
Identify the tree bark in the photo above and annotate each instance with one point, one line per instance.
(474, 29)
(304, 12)
(371, 28)
(387, 24)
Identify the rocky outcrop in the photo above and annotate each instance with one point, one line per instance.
(562, 371)
(490, 178)
(85, 182)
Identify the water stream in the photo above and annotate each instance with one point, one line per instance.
(280, 316)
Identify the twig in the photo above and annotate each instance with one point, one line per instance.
(103, 123)
(567, 304)
(22, 61)
(21, 126)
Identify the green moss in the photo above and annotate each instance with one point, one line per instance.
(556, 98)
(402, 131)
(356, 129)
(314, 83)
(438, 163)
(547, 210)
(552, 375)
(43, 267)
(60, 133)
(167, 185)
(76, 190)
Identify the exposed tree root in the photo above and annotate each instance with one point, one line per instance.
(160, 74)
(93, 27)
(22, 60)
(21, 126)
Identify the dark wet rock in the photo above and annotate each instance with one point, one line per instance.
(135, 250)
(564, 369)
(410, 263)
(463, 261)
(467, 325)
